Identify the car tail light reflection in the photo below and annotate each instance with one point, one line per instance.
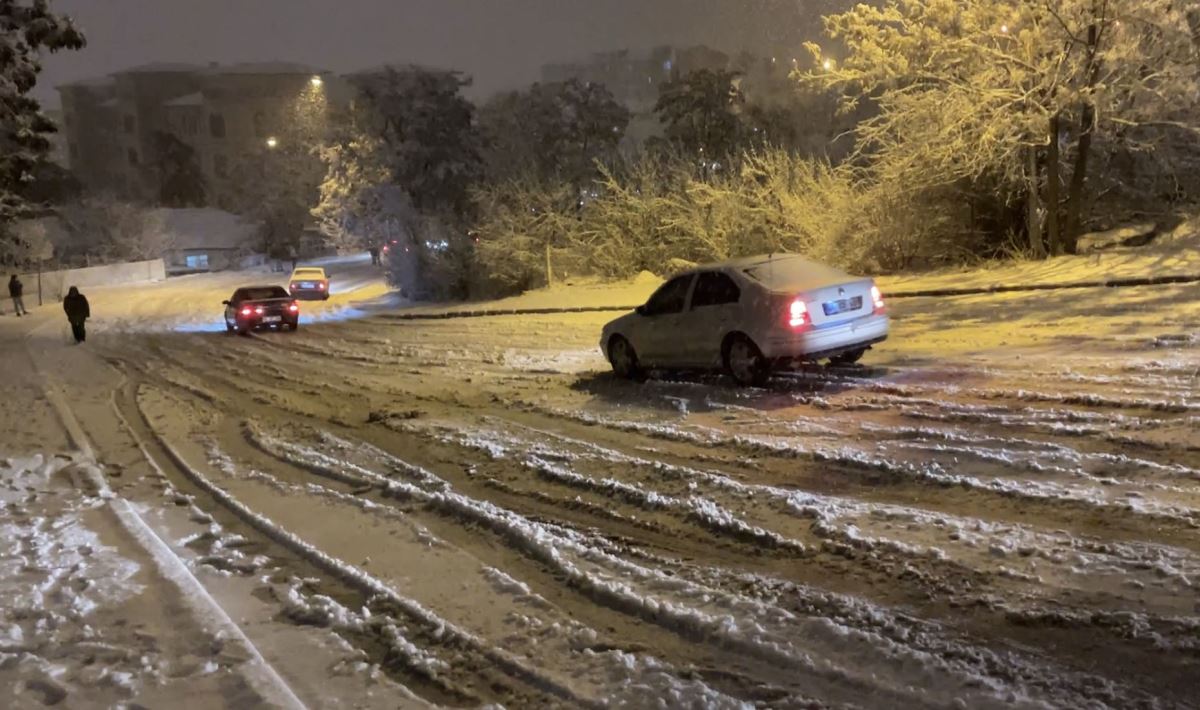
(877, 297)
(798, 314)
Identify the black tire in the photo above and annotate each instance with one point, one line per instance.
(293, 326)
(848, 358)
(229, 328)
(623, 358)
(745, 362)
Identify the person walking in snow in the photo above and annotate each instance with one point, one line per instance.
(16, 290)
(76, 306)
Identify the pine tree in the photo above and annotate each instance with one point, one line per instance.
(26, 30)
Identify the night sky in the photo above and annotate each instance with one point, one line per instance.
(502, 43)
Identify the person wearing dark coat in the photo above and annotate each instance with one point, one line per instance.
(16, 289)
(76, 306)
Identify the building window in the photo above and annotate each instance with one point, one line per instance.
(130, 123)
(216, 125)
(133, 157)
(196, 261)
(220, 166)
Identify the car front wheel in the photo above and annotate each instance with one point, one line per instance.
(745, 362)
(623, 358)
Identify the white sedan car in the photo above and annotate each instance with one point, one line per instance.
(747, 317)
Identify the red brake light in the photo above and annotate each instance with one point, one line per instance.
(321, 285)
(877, 297)
(798, 314)
(246, 311)
(294, 308)
(258, 310)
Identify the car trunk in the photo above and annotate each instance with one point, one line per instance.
(838, 303)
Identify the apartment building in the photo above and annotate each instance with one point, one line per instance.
(224, 112)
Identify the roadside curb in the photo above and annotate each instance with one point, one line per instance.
(1019, 288)
(925, 293)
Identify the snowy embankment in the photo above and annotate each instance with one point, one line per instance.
(1173, 254)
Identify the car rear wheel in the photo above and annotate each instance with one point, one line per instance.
(293, 327)
(623, 358)
(848, 358)
(745, 362)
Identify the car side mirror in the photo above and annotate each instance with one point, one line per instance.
(225, 303)
(640, 310)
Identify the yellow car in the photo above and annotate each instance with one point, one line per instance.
(309, 282)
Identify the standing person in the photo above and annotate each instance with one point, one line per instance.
(375, 256)
(76, 306)
(16, 289)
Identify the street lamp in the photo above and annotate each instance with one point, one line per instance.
(1004, 29)
(316, 82)
(272, 142)
(827, 64)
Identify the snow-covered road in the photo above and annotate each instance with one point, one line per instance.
(1000, 509)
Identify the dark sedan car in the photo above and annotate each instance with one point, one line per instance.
(254, 307)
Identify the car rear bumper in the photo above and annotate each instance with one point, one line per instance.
(827, 341)
(308, 292)
(256, 322)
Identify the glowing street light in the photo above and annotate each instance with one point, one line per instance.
(316, 82)
(827, 64)
(1004, 29)
(272, 142)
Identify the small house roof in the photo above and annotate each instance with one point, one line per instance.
(207, 228)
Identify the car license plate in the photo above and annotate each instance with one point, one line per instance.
(273, 319)
(306, 284)
(832, 308)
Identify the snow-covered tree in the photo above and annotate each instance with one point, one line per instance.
(27, 28)
(699, 111)
(360, 205)
(1004, 90)
(426, 131)
(552, 131)
(279, 183)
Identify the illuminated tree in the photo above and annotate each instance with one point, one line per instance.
(1003, 91)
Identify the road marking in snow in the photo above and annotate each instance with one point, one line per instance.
(260, 675)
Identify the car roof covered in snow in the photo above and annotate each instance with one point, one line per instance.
(783, 272)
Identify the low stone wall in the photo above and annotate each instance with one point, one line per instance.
(56, 283)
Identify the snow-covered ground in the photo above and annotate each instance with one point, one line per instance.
(1000, 508)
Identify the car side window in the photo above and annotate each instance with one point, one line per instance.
(670, 297)
(714, 288)
(238, 297)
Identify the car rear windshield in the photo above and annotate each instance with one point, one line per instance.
(261, 294)
(785, 272)
(310, 273)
